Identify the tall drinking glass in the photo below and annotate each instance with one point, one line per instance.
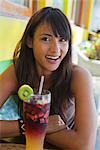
(36, 113)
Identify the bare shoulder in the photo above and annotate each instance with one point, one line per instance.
(81, 78)
(9, 73)
(8, 81)
(80, 71)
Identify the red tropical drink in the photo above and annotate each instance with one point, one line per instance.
(36, 114)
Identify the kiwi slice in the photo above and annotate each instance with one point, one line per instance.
(25, 92)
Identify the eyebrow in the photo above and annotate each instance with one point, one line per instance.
(46, 34)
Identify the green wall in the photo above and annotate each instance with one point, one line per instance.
(4, 65)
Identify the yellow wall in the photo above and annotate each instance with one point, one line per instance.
(10, 33)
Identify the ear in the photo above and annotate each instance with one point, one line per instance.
(29, 42)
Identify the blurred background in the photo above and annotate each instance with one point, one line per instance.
(84, 17)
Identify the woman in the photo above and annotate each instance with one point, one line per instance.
(46, 49)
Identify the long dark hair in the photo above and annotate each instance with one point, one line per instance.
(24, 60)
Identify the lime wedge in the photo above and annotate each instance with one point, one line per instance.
(25, 92)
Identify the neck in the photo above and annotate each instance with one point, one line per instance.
(47, 82)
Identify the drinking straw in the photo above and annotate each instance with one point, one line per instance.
(41, 85)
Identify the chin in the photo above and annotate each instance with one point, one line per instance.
(53, 68)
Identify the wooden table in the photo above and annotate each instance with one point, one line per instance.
(9, 146)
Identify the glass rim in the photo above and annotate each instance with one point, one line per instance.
(44, 92)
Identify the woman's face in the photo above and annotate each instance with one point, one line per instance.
(48, 50)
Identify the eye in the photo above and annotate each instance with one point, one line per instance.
(45, 39)
(62, 40)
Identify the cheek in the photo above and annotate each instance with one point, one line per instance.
(65, 50)
(36, 54)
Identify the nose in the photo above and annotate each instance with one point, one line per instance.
(55, 46)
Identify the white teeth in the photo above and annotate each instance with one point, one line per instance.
(52, 57)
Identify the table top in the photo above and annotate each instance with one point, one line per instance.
(9, 146)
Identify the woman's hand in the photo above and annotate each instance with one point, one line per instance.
(55, 124)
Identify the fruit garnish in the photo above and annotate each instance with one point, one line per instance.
(25, 92)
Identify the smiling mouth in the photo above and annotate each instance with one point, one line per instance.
(53, 57)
